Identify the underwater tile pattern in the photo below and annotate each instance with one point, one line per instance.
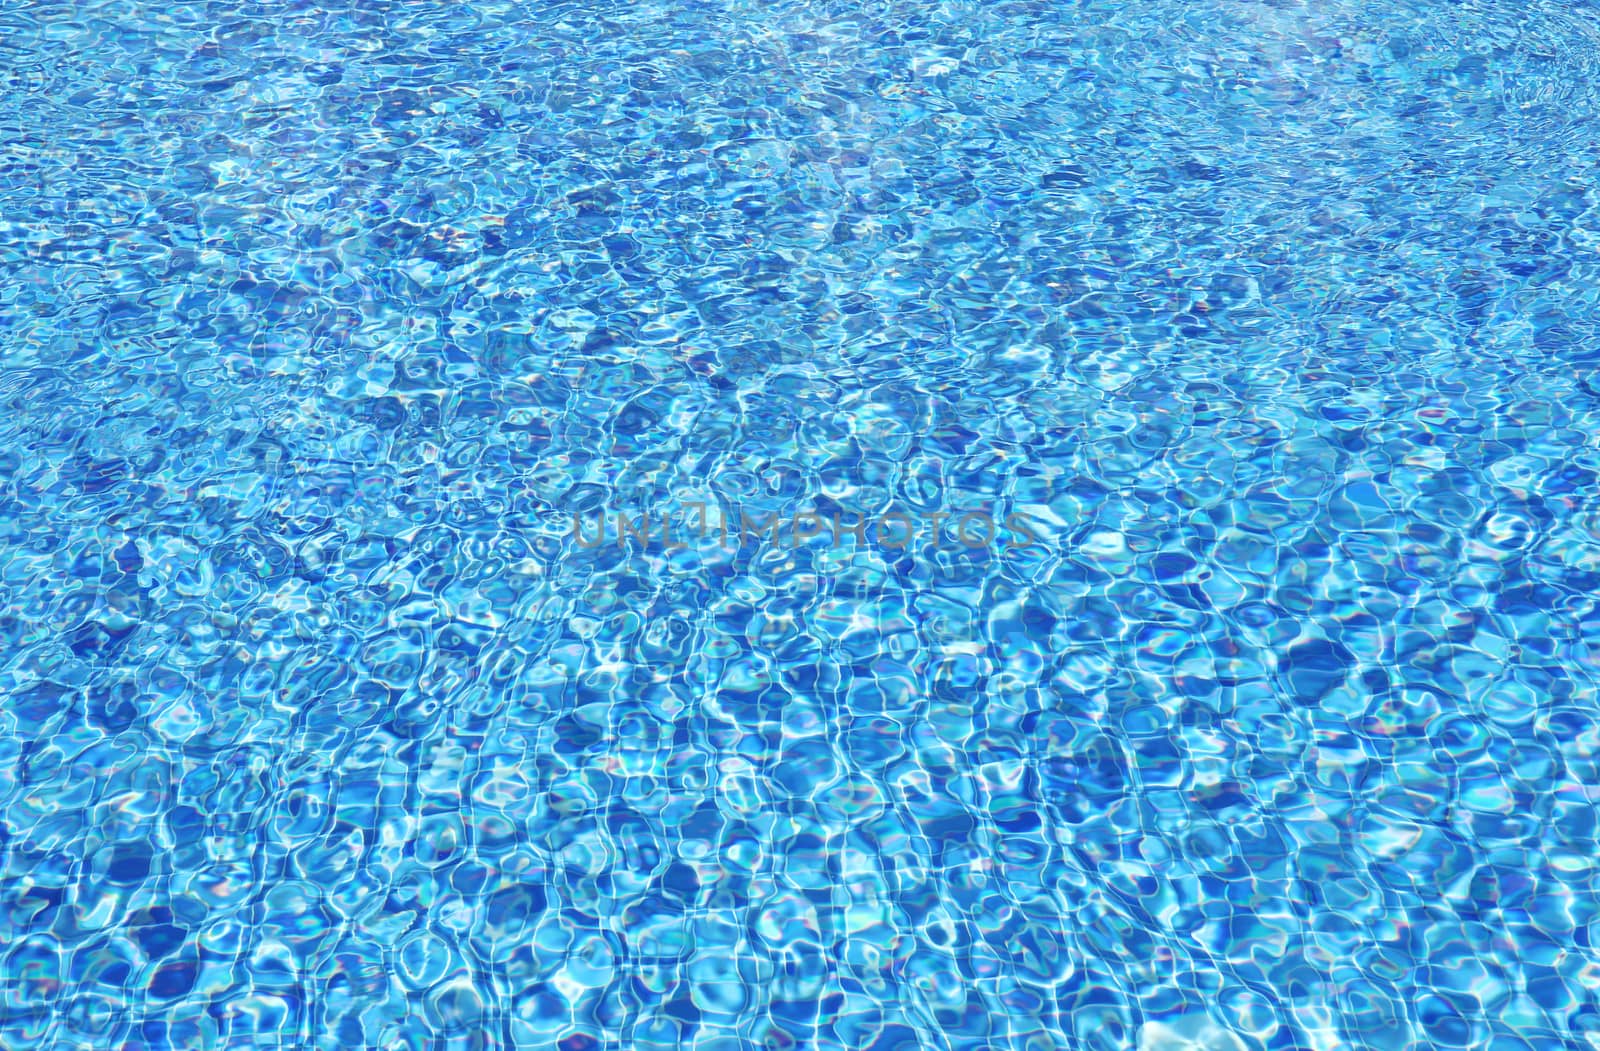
(324, 324)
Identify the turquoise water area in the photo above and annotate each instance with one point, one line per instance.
(1263, 714)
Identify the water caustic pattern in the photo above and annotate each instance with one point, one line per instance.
(323, 324)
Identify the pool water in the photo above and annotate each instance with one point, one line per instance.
(876, 525)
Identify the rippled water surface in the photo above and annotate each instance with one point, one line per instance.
(1262, 335)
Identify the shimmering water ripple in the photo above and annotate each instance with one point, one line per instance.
(321, 322)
